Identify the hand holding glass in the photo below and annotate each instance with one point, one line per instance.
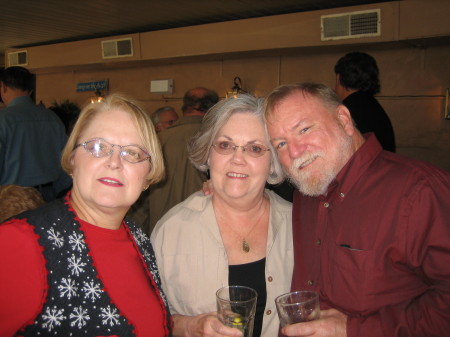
(297, 307)
(236, 306)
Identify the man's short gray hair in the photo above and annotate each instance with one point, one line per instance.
(320, 91)
(159, 111)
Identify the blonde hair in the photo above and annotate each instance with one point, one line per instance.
(145, 127)
(15, 199)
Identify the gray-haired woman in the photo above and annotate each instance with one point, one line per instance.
(239, 235)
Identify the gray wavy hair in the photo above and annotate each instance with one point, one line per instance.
(199, 146)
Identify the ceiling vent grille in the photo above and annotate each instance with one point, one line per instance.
(17, 58)
(117, 48)
(350, 25)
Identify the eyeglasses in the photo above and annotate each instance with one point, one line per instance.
(253, 150)
(169, 122)
(98, 147)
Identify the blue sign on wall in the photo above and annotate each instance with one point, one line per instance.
(92, 86)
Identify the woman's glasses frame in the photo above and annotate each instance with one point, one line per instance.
(96, 147)
(226, 148)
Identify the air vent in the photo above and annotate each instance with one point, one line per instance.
(17, 58)
(350, 25)
(117, 48)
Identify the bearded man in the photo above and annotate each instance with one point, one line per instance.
(370, 227)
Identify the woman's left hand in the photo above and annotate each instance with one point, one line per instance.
(205, 325)
(207, 187)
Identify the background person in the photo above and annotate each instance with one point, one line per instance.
(31, 137)
(182, 178)
(370, 227)
(15, 199)
(356, 84)
(241, 235)
(164, 118)
(93, 273)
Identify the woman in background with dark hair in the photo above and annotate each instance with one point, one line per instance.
(356, 84)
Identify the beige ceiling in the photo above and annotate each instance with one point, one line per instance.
(25, 23)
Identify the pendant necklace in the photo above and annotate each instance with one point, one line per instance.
(245, 244)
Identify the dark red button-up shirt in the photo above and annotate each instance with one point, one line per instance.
(377, 246)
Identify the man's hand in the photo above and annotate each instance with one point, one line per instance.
(207, 188)
(331, 323)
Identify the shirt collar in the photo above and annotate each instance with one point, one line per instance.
(356, 166)
(20, 100)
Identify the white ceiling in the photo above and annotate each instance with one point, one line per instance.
(25, 23)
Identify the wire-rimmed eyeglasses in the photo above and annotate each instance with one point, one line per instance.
(253, 150)
(98, 147)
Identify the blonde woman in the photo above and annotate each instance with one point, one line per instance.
(75, 266)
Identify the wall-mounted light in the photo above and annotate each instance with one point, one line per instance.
(161, 86)
(236, 89)
(98, 96)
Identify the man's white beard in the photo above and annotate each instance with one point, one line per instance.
(315, 183)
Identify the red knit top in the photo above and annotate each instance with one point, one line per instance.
(23, 277)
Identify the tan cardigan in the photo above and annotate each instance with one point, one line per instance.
(193, 263)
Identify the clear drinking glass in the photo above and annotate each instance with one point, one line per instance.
(236, 306)
(297, 307)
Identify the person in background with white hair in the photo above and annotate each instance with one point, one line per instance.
(164, 118)
(182, 178)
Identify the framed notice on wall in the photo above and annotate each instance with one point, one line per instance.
(92, 86)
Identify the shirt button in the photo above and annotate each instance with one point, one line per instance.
(270, 278)
(318, 242)
(310, 282)
(342, 194)
(326, 204)
(269, 312)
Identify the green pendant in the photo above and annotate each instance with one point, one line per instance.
(245, 246)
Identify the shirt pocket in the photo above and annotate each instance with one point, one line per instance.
(349, 276)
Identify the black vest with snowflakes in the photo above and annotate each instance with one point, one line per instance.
(76, 303)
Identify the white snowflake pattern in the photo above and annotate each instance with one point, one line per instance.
(92, 291)
(68, 287)
(147, 255)
(77, 242)
(76, 265)
(140, 236)
(53, 317)
(80, 317)
(110, 316)
(56, 237)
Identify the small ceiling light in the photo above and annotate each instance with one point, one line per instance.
(236, 89)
